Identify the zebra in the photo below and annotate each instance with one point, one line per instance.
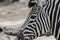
(44, 19)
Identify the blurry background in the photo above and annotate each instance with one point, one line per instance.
(13, 12)
(12, 15)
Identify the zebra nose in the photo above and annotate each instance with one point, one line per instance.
(1, 29)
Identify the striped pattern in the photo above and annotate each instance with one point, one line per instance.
(38, 24)
(43, 19)
(53, 10)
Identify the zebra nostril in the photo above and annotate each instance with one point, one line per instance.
(1, 29)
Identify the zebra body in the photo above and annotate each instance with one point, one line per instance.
(43, 19)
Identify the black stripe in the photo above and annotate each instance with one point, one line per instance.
(29, 29)
(52, 13)
(55, 12)
(58, 24)
(31, 21)
(57, 29)
(45, 22)
(36, 30)
(28, 33)
(31, 26)
(42, 22)
(49, 7)
(40, 26)
(40, 18)
(33, 17)
(59, 37)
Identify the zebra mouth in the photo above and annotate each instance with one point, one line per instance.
(1, 29)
